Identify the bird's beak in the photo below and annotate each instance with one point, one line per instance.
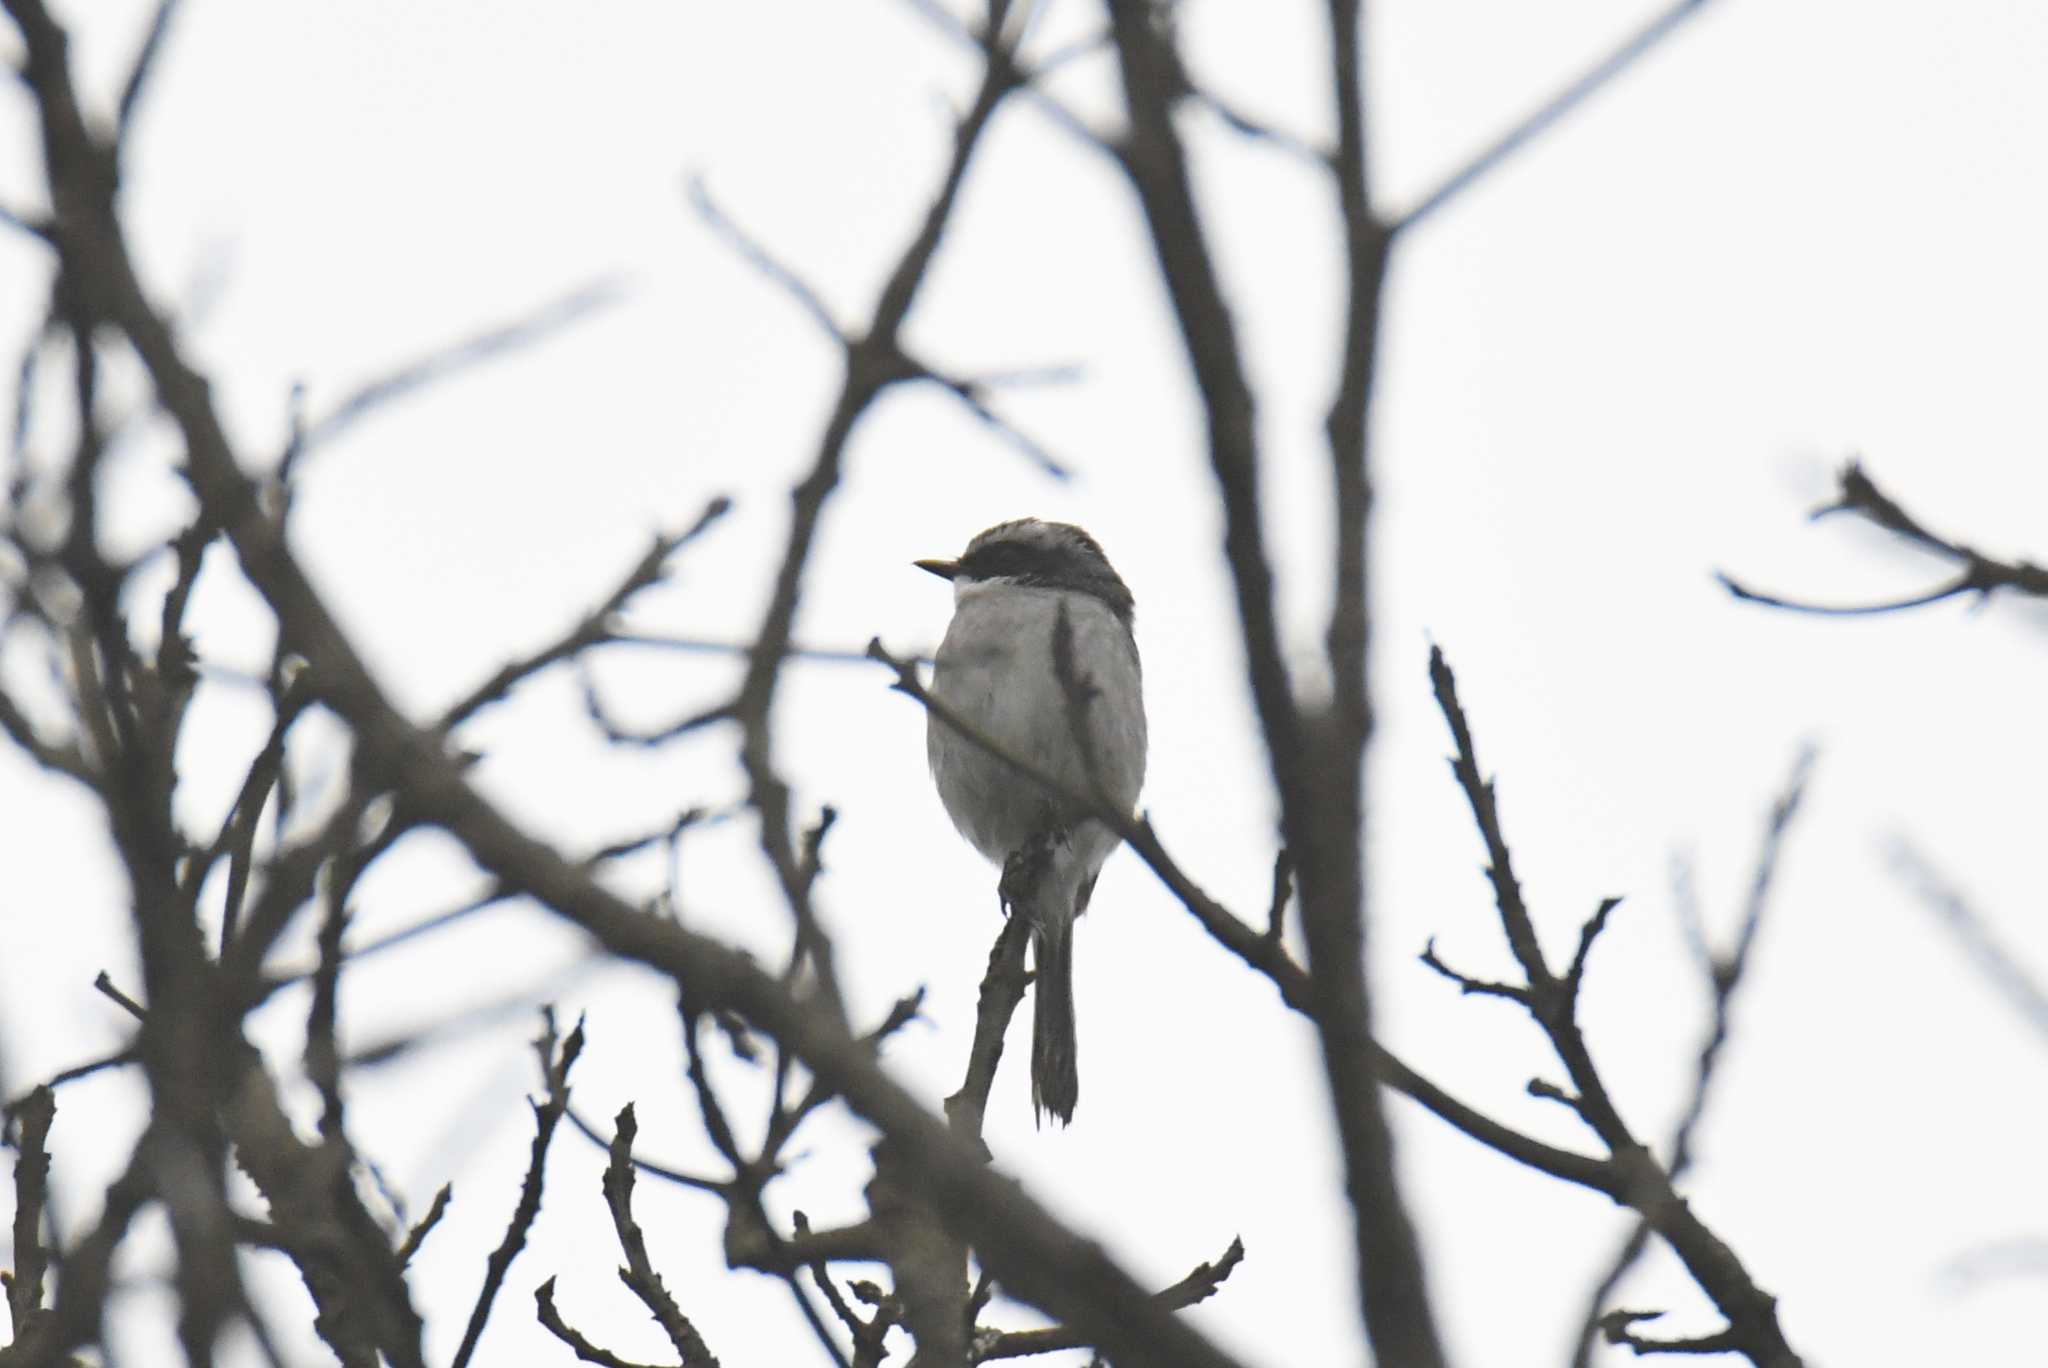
(944, 569)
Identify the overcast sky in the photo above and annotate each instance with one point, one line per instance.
(1634, 355)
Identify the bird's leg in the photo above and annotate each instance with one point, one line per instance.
(1024, 870)
(1028, 865)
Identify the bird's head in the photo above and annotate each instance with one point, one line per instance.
(1038, 554)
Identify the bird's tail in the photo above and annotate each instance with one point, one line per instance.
(1055, 1075)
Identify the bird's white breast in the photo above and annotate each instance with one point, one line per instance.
(995, 669)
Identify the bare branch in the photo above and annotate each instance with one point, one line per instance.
(491, 344)
(586, 1352)
(638, 1274)
(1619, 1328)
(1480, 987)
(139, 73)
(104, 982)
(1197, 1286)
(424, 1227)
(1976, 573)
(1546, 115)
(665, 1172)
(1002, 990)
(595, 627)
(557, 1057)
(31, 1192)
(750, 250)
(973, 396)
(1639, 1181)
(1996, 962)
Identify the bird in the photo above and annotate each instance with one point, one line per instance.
(1039, 658)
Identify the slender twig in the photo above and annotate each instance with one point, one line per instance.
(1002, 991)
(874, 361)
(31, 1192)
(595, 627)
(586, 1352)
(417, 1235)
(139, 73)
(104, 983)
(1725, 972)
(557, 1056)
(490, 344)
(667, 1173)
(1618, 1327)
(117, 1059)
(973, 396)
(1976, 573)
(828, 655)
(1283, 892)
(1995, 961)
(1601, 74)
(323, 1054)
(1197, 1286)
(1636, 1178)
(1259, 131)
(638, 1275)
(765, 262)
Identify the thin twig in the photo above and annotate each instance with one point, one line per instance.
(31, 1192)
(1637, 1178)
(1197, 1286)
(1976, 573)
(1995, 961)
(638, 1274)
(1725, 973)
(104, 982)
(1539, 120)
(557, 1056)
(586, 1352)
(595, 627)
(139, 73)
(491, 344)
(424, 1227)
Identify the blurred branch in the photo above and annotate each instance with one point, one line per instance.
(1618, 1327)
(664, 1172)
(1324, 820)
(1633, 1176)
(638, 1274)
(1724, 973)
(424, 1227)
(140, 71)
(1970, 930)
(974, 397)
(596, 626)
(751, 250)
(585, 1351)
(1540, 120)
(1002, 991)
(1155, 162)
(1197, 1286)
(1976, 573)
(874, 360)
(117, 1059)
(31, 1192)
(557, 1057)
(491, 344)
(87, 1271)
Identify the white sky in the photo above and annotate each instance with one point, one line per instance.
(1634, 355)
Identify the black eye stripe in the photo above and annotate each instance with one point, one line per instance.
(1050, 567)
(1010, 558)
